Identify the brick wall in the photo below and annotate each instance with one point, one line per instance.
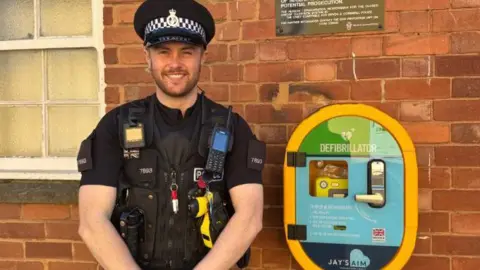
(424, 70)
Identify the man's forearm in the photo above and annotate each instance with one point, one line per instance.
(108, 247)
(231, 244)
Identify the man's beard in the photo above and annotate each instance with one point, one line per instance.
(189, 87)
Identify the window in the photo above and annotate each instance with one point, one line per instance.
(51, 84)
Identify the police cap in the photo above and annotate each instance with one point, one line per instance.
(158, 21)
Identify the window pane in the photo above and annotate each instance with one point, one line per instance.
(20, 75)
(68, 126)
(72, 74)
(66, 17)
(16, 19)
(21, 131)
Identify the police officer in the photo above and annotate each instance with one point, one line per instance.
(141, 163)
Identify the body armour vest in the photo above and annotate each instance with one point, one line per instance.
(169, 158)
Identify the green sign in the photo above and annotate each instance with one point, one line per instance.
(297, 17)
(350, 136)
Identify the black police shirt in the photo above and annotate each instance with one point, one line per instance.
(107, 154)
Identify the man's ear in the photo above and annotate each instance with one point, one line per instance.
(204, 54)
(146, 51)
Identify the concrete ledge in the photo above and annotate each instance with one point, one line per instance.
(39, 191)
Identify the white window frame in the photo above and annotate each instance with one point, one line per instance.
(61, 168)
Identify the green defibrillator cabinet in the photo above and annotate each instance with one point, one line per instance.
(350, 190)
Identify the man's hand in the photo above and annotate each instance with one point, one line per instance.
(95, 208)
(240, 231)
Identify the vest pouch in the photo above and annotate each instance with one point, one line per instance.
(142, 172)
(147, 201)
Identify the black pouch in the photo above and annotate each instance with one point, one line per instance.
(84, 157)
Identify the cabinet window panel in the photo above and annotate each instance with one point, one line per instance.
(72, 74)
(68, 125)
(16, 19)
(21, 76)
(21, 133)
(66, 17)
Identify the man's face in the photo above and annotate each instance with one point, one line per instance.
(175, 67)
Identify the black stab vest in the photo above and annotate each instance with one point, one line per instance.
(172, 241)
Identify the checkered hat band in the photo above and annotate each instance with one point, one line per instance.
(187, 24)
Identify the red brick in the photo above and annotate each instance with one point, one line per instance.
(416, 67)
(423, 245)
(243, 93)
(413, 44)
(313, 107)
(273, 134)
(427, 263)
(124, 75)
(218, 10)
(392, 21)
(10, 211)
(417, 22)
(468, 42)
(48, 250)
(366, 90)
(267, 9)
(425, 156)
(367, 46)
(319, 48)
(264, 29)
(424, 199)
(123, 14)
(216, 53)
(243, 51)
(273, 175)
(270, 238)
(368, 68)
(465, 263)
(416, 111)
(456, 20)
(390, 108)
(107, 16)
(466, 87)
(268, 92)
(466, 133)
(294, 265)
(22, 230)
(416, 4)
(274, 72)
(217, 92)
(63, 231)
(275, 155)
(266, 113)
(466, 223)
(82, 253)
(225, 73)
(272, 51)
(433, 177)
(466, 178)
(112, 95)
(228, 31)
(11, 250)
(205, 74)
(273, 195)
(456, 110)
(275, 258)
(459, 65)
(433, 222)
(120, 35)
(456, 200)
(405, 89)
(314, 92)
(242, 10)
(138, 92)
(465, 3)
(456, 245)
(132, 55)
(457, 156)
(71, 266)
(110, 56)
(320, 71)
(18, 265)
(45, 211)
(273, 217)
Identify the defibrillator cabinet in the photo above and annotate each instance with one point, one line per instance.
(350, 190)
